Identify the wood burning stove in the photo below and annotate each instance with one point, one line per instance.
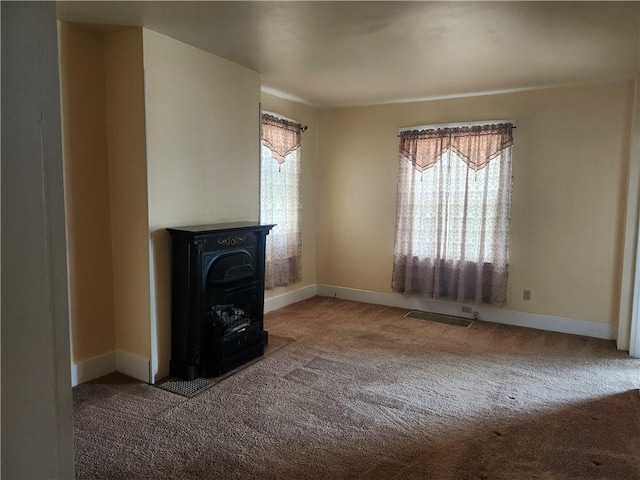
(217, 298)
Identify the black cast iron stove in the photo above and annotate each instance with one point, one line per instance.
(217, 298)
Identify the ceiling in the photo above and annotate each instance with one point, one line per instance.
(358, 53)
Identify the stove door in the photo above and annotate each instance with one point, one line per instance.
(231, 268)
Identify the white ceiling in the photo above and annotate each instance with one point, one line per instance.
(357, 53)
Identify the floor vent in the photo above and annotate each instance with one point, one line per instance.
(436, 317)
(186, 388)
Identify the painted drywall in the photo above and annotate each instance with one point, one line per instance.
(128, 190)
(569, 190)
(37, 424)
(87, 192)
(306, 116)
(202, 125)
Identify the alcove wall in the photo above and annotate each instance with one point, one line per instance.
(157, 134)
(102, 94)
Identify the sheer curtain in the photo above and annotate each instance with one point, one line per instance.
(280, 200)
(453, 209)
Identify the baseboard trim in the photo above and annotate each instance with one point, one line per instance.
(92, 368)
(130, 364)
(280, 301)
(487, 313)
(133, 365)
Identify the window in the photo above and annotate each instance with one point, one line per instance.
(454, 201)
(280, 199)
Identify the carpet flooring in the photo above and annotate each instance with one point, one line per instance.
(360, 392)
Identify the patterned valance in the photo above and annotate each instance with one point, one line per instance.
(280, 136)
(476, 145)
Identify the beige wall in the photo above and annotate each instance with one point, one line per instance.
(128, 190)
(202, 118)
(86, 169)
(105, 190)
(306, 116)
(569, 187)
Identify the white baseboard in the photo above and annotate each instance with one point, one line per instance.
(295, 296)
(135, 366)
(130, 364)
(487, 313)
(92, 368)
(138, 367)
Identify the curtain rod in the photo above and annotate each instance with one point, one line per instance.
(456, 125)
(303, 128)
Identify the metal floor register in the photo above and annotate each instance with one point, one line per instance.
(436, 317)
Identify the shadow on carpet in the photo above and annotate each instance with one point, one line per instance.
(191, 388)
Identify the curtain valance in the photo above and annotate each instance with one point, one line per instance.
(280, 136)
(476, 145)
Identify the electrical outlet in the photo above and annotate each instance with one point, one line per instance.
(466, 310)
(526, 294)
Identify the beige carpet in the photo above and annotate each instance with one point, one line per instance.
(363, 393)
